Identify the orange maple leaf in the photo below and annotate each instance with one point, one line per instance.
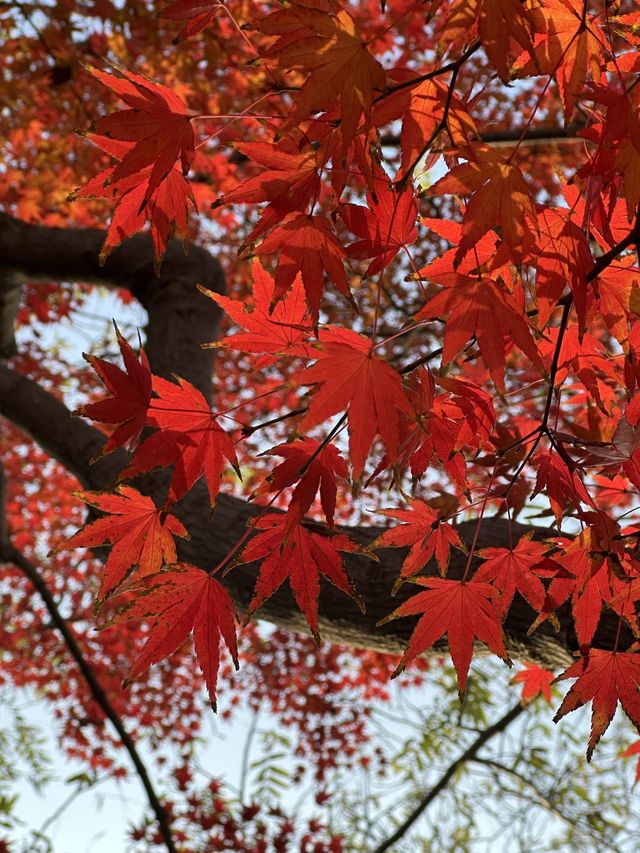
(270, 331)
(426, 534)
(481, 308)
(496, 21)
(140, 534)
(500, 197)
(351, 377)
(158, 124)
(329, 46)
(569, 43)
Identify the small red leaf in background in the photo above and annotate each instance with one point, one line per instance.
(603, 678)
(424, 533)
(315, 466)
(130, 391)
(351, 377)
(140, 534)
(180, 600)
(270, 331)
(463, 610)
(633, 749)
(302, 556)
(535, 680)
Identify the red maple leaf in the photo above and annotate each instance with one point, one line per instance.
(604, 678)
(535, 680)
(463, 610)
(130, 391)
(166, 208)
(180, 600)
(513, 570)
(158, 124)
(500, 196)
(385, 226)
(351, 377)
(302, 556)
(196, 14)
(270, 331)
(481, 308)
(425, 533)
(306, 245)
(314, 465)
(569, 44)
(140, 534)
(190, 438)
(290, 181)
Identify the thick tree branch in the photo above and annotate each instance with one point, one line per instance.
(10, 554)
(72, 255)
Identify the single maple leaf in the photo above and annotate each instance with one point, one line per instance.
(166, 209)
(158, 123)
(271, 331)
(306, 245)
(481, 308)
(535, 680)
(196, 14)
(463, 610)
(315, 466)
(140, 534)
(559, 484)
(302, 556)
(190, 438)
(421, 106)
(387, 225)
(496, 21)
(633, 749)
(290, 181)
(569, 44)
(130, 391)
(561, 257)
(351, 377)
(500, 197)
(603, 678)
(426, 535)
(513, 570)
(329, 46)
(179, 600)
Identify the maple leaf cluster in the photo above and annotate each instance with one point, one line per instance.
(528, 301)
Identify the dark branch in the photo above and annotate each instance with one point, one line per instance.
(10, 554)
(469, 753)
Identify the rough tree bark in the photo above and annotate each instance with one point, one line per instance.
(179, 320)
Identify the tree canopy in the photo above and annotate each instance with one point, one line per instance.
(386, 389)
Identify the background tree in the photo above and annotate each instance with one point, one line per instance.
(437, 325)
